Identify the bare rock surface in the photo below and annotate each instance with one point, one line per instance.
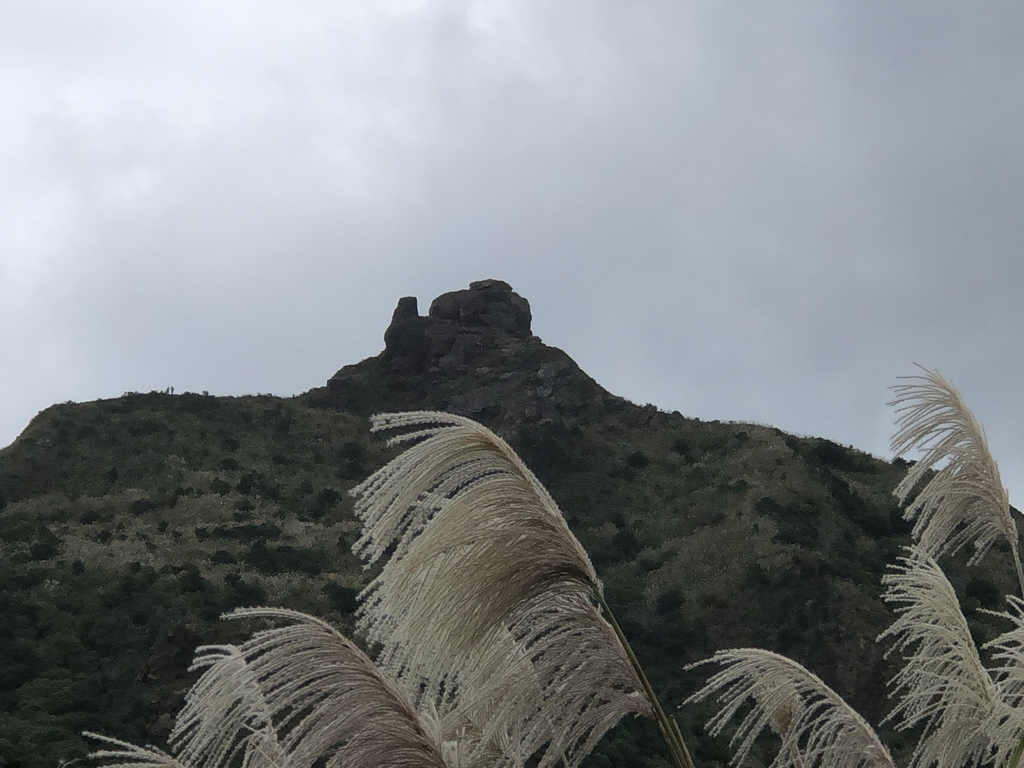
(473, 354)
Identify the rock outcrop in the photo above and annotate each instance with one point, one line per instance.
(474, 354)
(458, 327)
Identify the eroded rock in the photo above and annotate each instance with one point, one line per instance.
(474, 354)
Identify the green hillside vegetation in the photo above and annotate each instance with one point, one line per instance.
(130, 525)
(127, 526)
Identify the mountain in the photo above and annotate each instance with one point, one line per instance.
(127, 526)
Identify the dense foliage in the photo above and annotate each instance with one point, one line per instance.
(128, 526)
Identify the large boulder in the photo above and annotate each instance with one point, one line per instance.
(458, 326)
(488, 304)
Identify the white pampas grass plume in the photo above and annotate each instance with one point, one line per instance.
(943, 687)
(299, 695)
(1008, 651)
(486, 605)
(817, 728)
(1008, 654)
(226, 715)
(294, 696)
(122, 754)
(965, 502)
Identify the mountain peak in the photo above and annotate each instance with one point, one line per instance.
(458, 325)
(488, 304)
(473, 354)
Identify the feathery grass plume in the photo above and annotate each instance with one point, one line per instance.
(1008, 649)
(816, 726)
(1008, 652)
(944, 686)
(486, 605)
(122, 754)
(965, 502)
(327, 701)
(226, 715)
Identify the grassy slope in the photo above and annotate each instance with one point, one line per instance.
(127, 526)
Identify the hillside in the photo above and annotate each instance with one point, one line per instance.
(128, 525)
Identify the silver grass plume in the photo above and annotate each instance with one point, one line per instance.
(944, 686)
(1008, 651)
(486, 606)
(1008, 654)
(816, 726)
(299, 695)
(965, 502)
(226, 715)
(122, 754)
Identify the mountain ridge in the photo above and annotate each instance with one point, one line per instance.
(128, 525)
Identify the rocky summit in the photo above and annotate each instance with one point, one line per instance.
(472, 354)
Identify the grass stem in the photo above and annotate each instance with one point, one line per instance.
(668, 726)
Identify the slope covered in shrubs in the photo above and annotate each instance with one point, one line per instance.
(127, 526)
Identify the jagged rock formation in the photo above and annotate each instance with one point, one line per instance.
(473, 354)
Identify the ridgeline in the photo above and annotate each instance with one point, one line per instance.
(127, 526)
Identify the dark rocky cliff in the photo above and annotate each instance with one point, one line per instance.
(472, 354)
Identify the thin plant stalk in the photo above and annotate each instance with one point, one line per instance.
(668, 725)
(1015, 757)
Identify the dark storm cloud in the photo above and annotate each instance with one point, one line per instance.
(762, 212)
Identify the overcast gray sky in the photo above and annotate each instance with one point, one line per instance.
(761, 211)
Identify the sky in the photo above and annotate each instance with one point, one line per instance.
(760, 212)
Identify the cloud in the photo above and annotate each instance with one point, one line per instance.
(764, 215)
